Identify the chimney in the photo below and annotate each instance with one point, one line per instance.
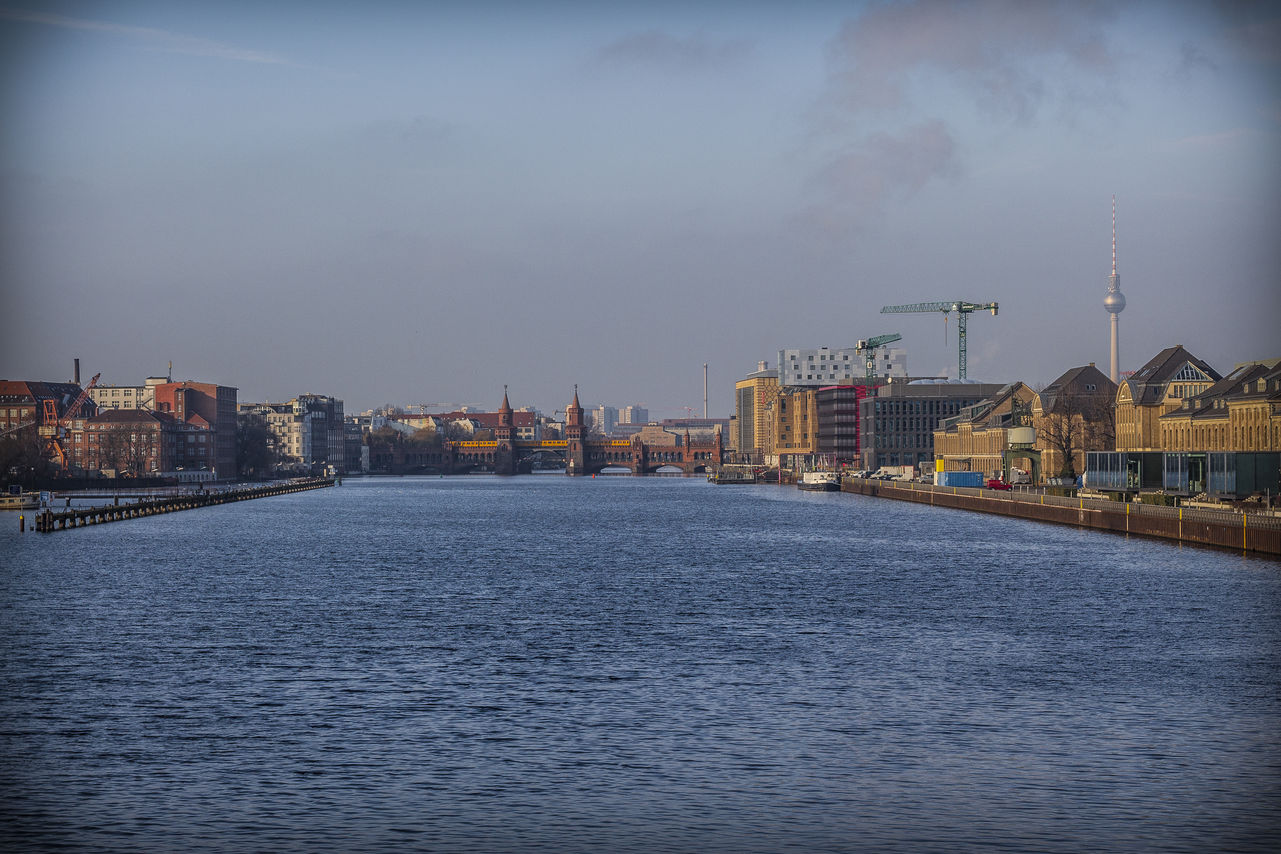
(704, 390)
(77, 379)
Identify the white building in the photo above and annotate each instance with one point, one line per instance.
(602, 419)
(844, 366)
(634, 414)
(127, 396)
(308, 429)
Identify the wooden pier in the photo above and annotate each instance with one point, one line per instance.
(48, 521)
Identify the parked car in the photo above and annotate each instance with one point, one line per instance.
(997, 483)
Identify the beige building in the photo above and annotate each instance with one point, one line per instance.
(796, 423)
(127, 396)
(977, 438)
(308, 430)
(1159, 387)
(755, 405)
(1073, 415)
(1241, 412)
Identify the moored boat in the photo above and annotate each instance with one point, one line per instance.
(819, 481)
(734, 474)
(16, 499)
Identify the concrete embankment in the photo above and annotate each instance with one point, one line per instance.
(48, 521)
(1243, 531)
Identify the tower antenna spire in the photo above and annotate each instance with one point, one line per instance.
(1114, 234)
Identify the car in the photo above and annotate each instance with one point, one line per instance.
(997, 483)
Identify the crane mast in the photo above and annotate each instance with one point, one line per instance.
(868, 348)
(963, 310)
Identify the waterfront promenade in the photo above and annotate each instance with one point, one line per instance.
(1252, 532)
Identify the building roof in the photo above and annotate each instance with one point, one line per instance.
(31, 391)
(132, 416)
(980, 414)
(1084, 380)
(1247, 381)
(520, 418)
(1148, 383)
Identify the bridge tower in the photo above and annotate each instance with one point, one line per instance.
(575, 453)
(505, 452)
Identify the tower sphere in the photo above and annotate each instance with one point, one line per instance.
(1114, 302)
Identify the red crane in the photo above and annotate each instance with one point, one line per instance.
(54, 425)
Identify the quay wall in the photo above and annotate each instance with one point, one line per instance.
(1226, 529)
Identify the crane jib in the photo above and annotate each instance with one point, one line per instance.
(962, 308)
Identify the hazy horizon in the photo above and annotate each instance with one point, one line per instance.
(408, 203)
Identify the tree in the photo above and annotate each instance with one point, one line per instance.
(257, 448)
(113, 449)
(23, 458)
(1077, 421)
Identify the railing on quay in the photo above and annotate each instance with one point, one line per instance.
(1233, 528)
(1133, 508)
(47, 521)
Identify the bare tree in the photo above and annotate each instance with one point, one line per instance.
(113, 449)
(1077, 421)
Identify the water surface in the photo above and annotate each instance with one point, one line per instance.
(631, 664)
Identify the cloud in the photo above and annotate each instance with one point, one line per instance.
(884, 164)
(1253, 28)
(1192, 59)
(1007, 60)
(159, 39)
(660, 50)
(856, 183)
(1007, 54)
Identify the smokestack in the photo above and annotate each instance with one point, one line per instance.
(704, 390)
(77, 378)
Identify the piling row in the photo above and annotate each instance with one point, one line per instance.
(48, 521)
(1241, 531)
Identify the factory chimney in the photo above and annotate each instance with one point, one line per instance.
(704, 390)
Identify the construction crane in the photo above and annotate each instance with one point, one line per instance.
(48, 421)
(868, 348)
(962, 310)
(72, 411)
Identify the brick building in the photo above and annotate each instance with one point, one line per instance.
(208, 407)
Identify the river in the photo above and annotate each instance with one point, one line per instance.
(622, 664)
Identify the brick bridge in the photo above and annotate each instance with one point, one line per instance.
(582, 455)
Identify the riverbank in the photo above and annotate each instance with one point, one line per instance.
(1225, 529)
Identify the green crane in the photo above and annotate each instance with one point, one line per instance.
(868, 348)
(962, 310)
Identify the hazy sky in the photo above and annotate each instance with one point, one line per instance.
(421, 202)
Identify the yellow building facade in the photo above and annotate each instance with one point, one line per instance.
(977, 438)
(1074, 415)
(796, 423)
(1160, 387)
(755, 410)
(1241, 412)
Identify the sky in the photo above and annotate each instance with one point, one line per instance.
(396, 202)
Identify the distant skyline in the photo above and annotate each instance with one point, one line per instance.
(392, 202)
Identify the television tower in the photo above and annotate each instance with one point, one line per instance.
(1114, 302)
